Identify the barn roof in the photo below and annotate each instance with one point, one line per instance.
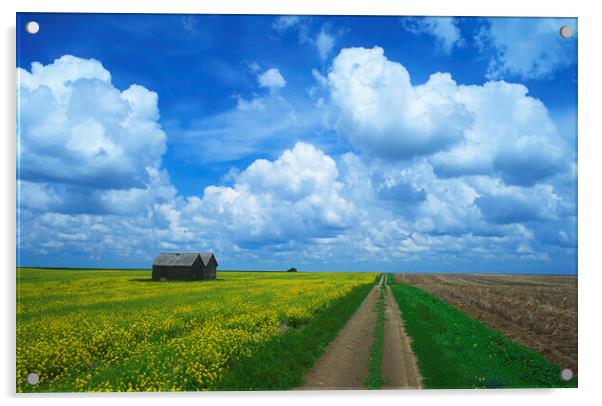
(206, 257)
(182, 259)
(176, 259)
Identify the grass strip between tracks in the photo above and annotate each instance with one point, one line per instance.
(374, 380)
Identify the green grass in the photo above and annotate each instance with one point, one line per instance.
(281, 362)
(456, 351)
(374, 380)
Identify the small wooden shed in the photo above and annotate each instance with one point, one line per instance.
(184, 266)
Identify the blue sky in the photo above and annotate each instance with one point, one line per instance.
(325, 143)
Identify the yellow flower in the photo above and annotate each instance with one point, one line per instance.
(126, 335)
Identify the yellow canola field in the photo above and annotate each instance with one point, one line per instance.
(111, 330)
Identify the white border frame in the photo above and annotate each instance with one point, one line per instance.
(590, 203)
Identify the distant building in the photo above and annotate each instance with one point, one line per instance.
(185, 266)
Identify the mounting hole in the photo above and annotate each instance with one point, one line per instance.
(32, 27)
(566, 31)
(566, 374)
(32, 378)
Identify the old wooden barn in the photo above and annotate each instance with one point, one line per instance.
(184, 266)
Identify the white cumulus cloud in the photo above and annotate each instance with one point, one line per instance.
(272, 79)
(491, 129)
(324, 43)
(283, 23)
(85, 146)
(444, 29)
(511, 135)
(294, 197)
(77, 128)
(383, 113)
(530, 48)
(440, 171)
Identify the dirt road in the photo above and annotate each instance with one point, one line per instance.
(399, 369)
(344, 364)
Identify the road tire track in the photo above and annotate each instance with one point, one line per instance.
(399, 369)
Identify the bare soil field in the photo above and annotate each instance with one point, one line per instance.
(537, 311)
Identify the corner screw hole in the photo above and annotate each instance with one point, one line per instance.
(32, 378)
(566, 374)
(32, 27)
(566, 31)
